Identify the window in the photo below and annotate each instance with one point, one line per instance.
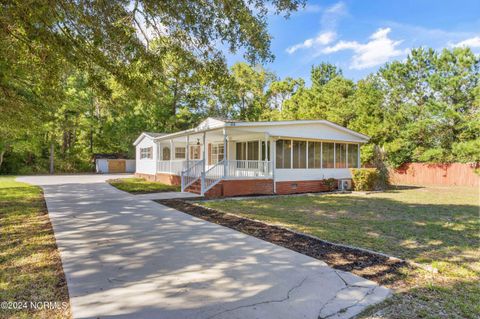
(340, 155)
(146, 153)
(265, 157)
(166, 153)
(216, 153)
(283, 153)
(180, 152)
(299, 154)
(353, 155)
(314, 155)
(327, 155)
(194, 152)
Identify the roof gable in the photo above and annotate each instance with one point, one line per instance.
(150, 135)
(209, 123)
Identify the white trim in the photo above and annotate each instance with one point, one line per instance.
(204, 128)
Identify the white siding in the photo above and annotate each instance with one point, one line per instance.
(282, 174)
(317, 131)
(146, 166)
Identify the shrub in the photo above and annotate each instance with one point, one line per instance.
(331, 183)
(368, 179)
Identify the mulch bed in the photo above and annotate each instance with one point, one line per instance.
(377, 267)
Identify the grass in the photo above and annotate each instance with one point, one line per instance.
(30, 264)
(140, 186)
(439, 226)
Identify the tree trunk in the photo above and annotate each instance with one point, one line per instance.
(52, 149)
(1, 157)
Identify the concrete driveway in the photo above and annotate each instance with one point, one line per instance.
(126, 256)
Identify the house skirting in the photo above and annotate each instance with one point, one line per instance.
(228, 188)
(296, 187)
(243, 187)
(163, 178)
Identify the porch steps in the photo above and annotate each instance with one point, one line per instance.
(196, 187)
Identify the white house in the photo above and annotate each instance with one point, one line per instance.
(231, 158)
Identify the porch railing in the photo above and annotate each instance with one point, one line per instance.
(174, 167)
(248, 168)
(191, 174)
(213, 175)
(223, 170)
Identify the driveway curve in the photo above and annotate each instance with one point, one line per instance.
(125, 256)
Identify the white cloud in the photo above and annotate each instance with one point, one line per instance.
(328, 20)
(471, 42)
(377, 51)
(320, 40)
(332, 14)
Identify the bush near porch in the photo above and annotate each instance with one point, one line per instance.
(438, 226)
(135, 185)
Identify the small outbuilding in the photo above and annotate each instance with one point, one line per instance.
(113, 163)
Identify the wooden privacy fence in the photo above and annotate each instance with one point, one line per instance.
(435, 174)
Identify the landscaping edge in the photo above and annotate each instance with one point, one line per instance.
(379, 267)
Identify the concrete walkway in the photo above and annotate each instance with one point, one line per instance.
(125, 256)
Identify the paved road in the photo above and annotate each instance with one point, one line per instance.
(126, 256)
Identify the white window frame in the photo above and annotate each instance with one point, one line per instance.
(180, 150)
(146, 152)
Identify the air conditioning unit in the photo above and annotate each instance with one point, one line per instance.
(344, 184)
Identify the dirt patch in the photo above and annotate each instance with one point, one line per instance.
(370, 265)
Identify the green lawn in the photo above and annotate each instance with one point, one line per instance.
(30, 265)
(140, 186)
(439, 226)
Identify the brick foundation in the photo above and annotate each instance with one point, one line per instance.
(296, 187)
(244, 187)
(163, 178)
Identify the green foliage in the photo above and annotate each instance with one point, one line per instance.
(141, 186)
(94, 91)
(468, 151)
(331, 183)
(364, 179)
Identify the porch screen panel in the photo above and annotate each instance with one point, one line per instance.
(299, 154)
(352, 155)
(314, 154)
(241, 151)
(283, 153)
(252, 151)
(327, 155)
(340, 155)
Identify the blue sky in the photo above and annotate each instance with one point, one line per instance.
(360, 36)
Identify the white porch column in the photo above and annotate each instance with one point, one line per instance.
(225, 147)
(273, 157)
(358, 156)
(187, 150)
(171, 155)
(266, 162)
(204, 162)
(157, 156)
